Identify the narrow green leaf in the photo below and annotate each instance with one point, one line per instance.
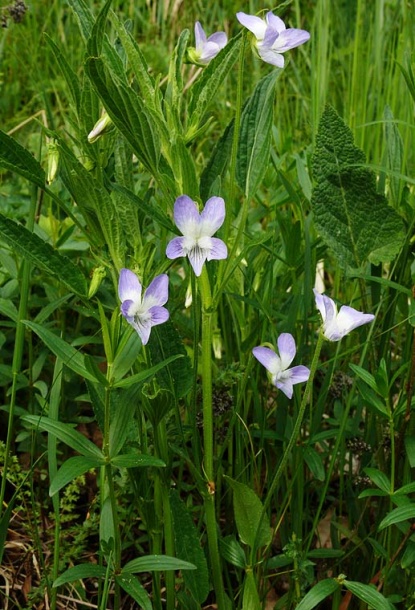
(255, 135)
(365, 376)
(369, 594)
(206, 87)
(15, 158)
(410, 449)
(351, 216)
(408, 558)
(72, 468)
(96, 39)
(320, 591)
(132, 586)
(145, 375)
(397, 515)
(409, 488)
(315, 463)
(70, 356)
(248, 510)
(144, 207)
(120, 426)
(84, 15)
(66, 434)
(218, 162)
(250, 599)
(394, 155)
(188, 547)
(41, 254)
(231, 550)
(379, 478)
(69, 75)
(8, 309)
(156, 563)
(137, 460)
(84, 570)
(127, 352)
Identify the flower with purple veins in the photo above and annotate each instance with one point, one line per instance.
(272, 37)
(206, 48)
(281, 376)
(197, 229)
(336, 325)
(147, 311)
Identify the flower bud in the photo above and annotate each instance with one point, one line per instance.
(100, 128)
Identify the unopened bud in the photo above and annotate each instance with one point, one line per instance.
(97, 277)
(53, 161)
(100, 128)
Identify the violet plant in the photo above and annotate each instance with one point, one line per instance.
(132, 165)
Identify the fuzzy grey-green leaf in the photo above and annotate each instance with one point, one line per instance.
(351, 216)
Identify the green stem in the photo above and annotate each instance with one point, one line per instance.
(293, 438)
(209, 500)
(18, 346)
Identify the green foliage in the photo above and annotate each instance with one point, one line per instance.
(352, 217)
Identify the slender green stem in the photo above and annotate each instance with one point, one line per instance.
(293, 438)
(208, 449)
(18, 346)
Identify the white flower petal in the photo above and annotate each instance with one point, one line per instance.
(268, 358)
(197, 257)
(186, 216)
(271, 57)
(212, 216)
(290, 39)
(286, 348)
(254, 24)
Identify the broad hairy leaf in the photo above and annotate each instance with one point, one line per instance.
(69, 75)
(18, 159)
(71, 357)
(188, 547)
(67, 434)
(43, 255)
(72, 468)
(248, 512)
(255, 135)
(351, 216)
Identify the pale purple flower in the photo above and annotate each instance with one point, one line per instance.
(272, 37)
(281, 376)
(197, 229)
(338, 324)
(147, 311)
(207, 48)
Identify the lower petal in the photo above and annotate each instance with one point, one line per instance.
(197, 257)
(218, 250)
(271, 57)
(158, 315)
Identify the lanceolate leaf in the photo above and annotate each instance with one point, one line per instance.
(211, 79)
(70, 356)
(188, 548)
(397, 515)
(67, 72)
(132, 586)
(66, 434)
(84, 570)
(248, 511)
(156, 563)
(320, 591)
(353, 219)
(42, 255)
(255, 135)
(17, 159)
(369, 594)
(72, 468)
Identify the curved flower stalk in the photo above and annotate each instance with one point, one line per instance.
(271, 36)
(143, 312)
(336, 325)
(282, 377)
(197, 229)
(206, 48)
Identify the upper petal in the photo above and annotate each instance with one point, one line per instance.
(219, 38)
(348, 319)
(210, 50)
(212, 216)
(186, 216)
(129, 286)
(286, 348)
(253, 23)
(158, 292)
(326, 307)
(200, 36)
(289, 39)
(268, 358)
(275, 22)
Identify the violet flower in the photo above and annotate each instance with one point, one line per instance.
(197, 229)
(206, 48)
(147, 311)
(338, 324)
(272, 37)
(281, 376)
